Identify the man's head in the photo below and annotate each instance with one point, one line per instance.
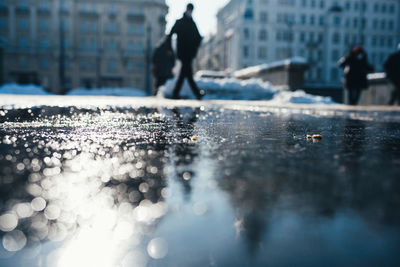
(189, 9)
(398, 47)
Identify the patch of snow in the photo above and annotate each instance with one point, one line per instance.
(223, 89)
(131, 92)
(300, 97)
(377, 76)
(18, 89)
(218, 89)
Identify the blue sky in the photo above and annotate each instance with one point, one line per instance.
(204, 13)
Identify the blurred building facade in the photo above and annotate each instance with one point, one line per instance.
(254, 32)
(63, 44)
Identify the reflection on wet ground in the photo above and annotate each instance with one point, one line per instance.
(196, 187)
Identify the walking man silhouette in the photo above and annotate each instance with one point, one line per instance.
(392, 68)
(189, 40)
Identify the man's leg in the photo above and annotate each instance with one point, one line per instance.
(179, 82)
(393, 97)
(354, 95)
(192, 83)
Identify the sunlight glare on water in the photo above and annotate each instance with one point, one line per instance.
(139, 187)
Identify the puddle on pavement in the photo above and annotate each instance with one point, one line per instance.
(132, 187)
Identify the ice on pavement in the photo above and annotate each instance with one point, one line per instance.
(221, 89)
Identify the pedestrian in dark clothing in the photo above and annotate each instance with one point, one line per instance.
(392, 68)
(163, 63)
(189, 40)
(356, 69)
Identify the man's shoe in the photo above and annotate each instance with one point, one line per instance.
(201, 94)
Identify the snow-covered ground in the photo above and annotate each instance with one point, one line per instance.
(219, 89)
(17, 89)
(251, 89)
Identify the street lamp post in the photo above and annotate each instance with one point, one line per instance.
(148, 61)
(335, 9)
(61, 70)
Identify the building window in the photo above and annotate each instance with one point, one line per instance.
(382, 41)
(112, 27)
(262, 36)
(66, 43)
(23, 24)
(334, 74)
(140, 29)
(337, 21)
(312, 19)
(131, 46)
(246, 33)
(23, 42)
(248, 14)
(336, 38)
(140, 48)
(83, 27)
(83, 45)
(355, 22)
(44, 43)
(83, 64)
(321, 21)
(93, 45)
(130, 66)
(139, 66)
(64, 7)
(383, 9)
(390, 42)
(374, 41)
(245, 51)
(44, 25)
(302, 37)
(303, 19)
(383, 25)
(3, 23)
(93, 27)
(392, 9)
(112, 45)
(64, 25)
(375, 24)
(131, 28)
(391, 25)
(263, 16)
(262, 52)
(44, 63)
(335, 55)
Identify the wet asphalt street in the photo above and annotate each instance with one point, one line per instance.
(197, 184)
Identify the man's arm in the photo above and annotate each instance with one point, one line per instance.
(173, 30)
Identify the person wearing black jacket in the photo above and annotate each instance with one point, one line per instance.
(163, 63)
(356, 69)
(189, 40)
(392, 68)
